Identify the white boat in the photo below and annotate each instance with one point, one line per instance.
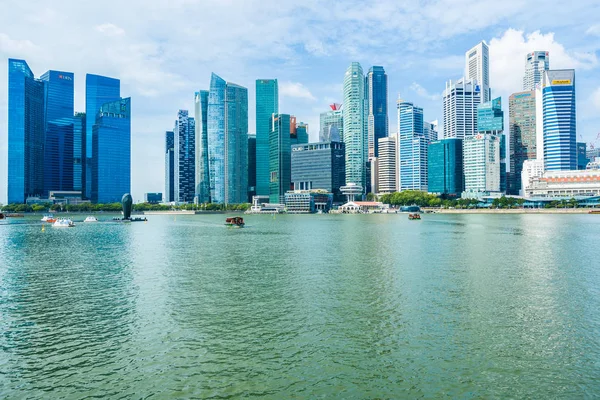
(63, 223)
(91, 219)
(49, 218)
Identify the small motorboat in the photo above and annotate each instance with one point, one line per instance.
(2, 216)
(235, 222)
(414, 216)
(91, 218)
(63, 223)
(49, 218)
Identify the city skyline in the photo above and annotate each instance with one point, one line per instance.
(309, 79)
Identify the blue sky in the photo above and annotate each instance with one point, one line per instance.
(163, 51)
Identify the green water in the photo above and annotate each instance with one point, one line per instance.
(323, 306)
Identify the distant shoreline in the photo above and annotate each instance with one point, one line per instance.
(510, 211)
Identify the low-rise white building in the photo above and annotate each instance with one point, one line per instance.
(578, 183)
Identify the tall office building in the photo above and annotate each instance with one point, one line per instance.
(558, 88)
(78, 151)
(355, 136)
(376, 96)
(319, 166)
(413, 147)
(251, 166)
(25, 133)
(236, 145)
(582, 158)
(58, 146)
(228, 141)
(535, 64)
(184, 137)
(522, 135)
(481, 160)
(301, 134)
(99, 90)
(332, 124)
(445, 167)
(111, 164)
(267, 104)
(169, 167)
(477, 68)
(461, 99)
(430, 130)
(280, 175)
(387, 165)
(202, 178)
(490, 120)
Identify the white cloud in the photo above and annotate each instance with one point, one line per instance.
(14, 47)
(507, 58)
(595, 98)
(593, 30)
(109, 29)
(421, 91)
(295, 89)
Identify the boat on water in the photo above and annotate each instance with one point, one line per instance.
(235, 222)
(49, 218)
(63, 223)
(414, 216)
(594, 212)
(2, 216)
(91, 218)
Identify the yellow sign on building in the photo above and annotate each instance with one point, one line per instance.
(561, 82)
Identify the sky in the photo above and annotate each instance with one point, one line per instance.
(164, 51)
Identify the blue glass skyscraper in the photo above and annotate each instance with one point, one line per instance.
(58, 147)
(227, 128)
(78, 150)
(376, 97)
(413, 147)
(267, 104)
(99, 90)
(169, 166)
(25, 133)
(202, 171)
(185, 157)
(560, 136)
(445, 167)
(111, 163)
(280, 161)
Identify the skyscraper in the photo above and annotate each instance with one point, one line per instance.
(387, 165)
(461, 99)
(25, 133)
(228, 141)
(319, 166)
(169, 167)
(445, 167)
(111, 164)
(490, 120)
(481, 158)
(78, 150)
(251, 166)
(98, 91)
(267, 104)
(430, 130)
(535, 64)
(477, 68)
(560, 152)
(202, 172)
(354, 125)
(332, 124)
(522, 135)
(280, 174)
(58, 146)
(413, 147)
(582, 159)
(376, 94)
(236, 144)
(184, 137)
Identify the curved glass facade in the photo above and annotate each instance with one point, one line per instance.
(216, 138)
(202, 172)
(267, 104)
(376, 95)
